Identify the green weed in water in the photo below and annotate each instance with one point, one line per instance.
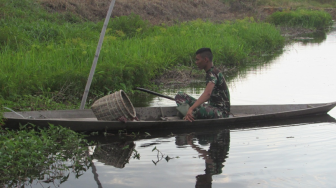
(27, 154)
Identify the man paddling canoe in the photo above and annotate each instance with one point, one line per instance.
(216, 92)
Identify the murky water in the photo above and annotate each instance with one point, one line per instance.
(291, 153)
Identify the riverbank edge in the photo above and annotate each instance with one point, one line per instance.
(182, 76)
(178, 76)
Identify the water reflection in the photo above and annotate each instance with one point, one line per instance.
(212, 146)
(214, 157)
(116, 154)
(57, 174)
(113, 156)
(95, 175)
(312, 38)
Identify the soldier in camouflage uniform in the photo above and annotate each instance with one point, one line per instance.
(216, 92)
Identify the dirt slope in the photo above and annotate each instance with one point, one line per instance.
(157, 11)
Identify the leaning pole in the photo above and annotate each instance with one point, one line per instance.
(94, 64)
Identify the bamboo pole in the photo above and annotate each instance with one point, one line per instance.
(154, 93)
(94, 64)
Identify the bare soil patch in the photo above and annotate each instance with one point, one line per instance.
(157, 11)
(163, 11)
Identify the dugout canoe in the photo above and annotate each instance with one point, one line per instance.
(157, 118)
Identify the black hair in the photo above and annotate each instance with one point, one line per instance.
(205, 52)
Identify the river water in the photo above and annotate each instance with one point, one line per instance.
(291, 153)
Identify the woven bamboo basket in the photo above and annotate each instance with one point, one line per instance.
(113, 106)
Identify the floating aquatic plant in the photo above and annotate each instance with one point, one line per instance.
(31, 154)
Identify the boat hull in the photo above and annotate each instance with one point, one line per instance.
(151, 117)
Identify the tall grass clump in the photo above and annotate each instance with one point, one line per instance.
(302, 18)
(28, 155)
(129, 26)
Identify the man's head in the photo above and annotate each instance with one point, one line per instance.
(204, 58)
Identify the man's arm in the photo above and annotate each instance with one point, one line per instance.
(203, 98)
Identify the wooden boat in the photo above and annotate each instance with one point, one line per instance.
(157, 118)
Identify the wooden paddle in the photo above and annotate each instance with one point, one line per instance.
(154, 93)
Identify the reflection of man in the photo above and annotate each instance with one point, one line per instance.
(216, 92)
(214, 157)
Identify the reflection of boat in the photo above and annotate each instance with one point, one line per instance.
(164, 117)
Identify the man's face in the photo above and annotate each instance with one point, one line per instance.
(200, 61)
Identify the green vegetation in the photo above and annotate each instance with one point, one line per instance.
(46, 58)
(48, 67)
(302, 18)
(28, 154)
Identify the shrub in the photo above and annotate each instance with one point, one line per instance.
(302, 18)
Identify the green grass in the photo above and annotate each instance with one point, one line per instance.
(60, 64)
(53, 59)
(302, 18)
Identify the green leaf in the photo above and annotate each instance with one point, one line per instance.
(126, 147)
(154, 149)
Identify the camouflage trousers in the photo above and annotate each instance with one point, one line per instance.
(203, 111)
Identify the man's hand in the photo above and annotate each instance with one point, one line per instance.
(189, 116)
(204, 97)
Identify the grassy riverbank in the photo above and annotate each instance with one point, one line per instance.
(60, 67)
(45, 58)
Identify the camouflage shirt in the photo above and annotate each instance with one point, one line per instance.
(220, 96)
